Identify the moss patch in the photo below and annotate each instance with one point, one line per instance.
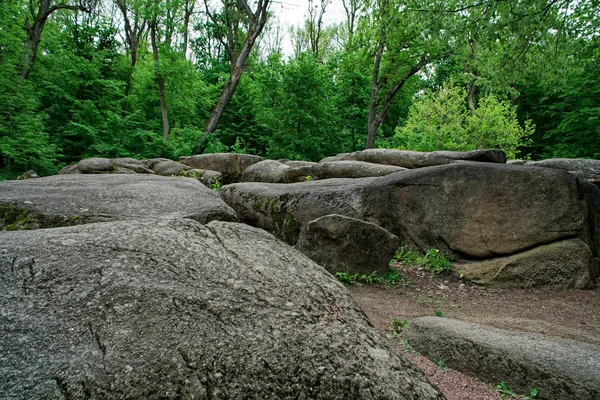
(14, 218)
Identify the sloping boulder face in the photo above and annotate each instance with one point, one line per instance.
(271, 171)
(231, 165)
(283, 209)
(477, 210)
(558, 368)
(564, 265)
(415, 159)
(169, 168)
(77, 199)
(174, 309)
(346, 169)
(581, 168)
(591, 235)
(343, 244)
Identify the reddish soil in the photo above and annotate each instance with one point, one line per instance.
(572, 314)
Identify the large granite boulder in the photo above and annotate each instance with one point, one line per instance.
(75, 199)
(591, 235)
(565, 264)
(477, 210)
(346, 169)
(415, 159)
(558, 368)
(271, 171)
(283, 209)
(107, 166)
(343, 244)
(231, 165)
(173, 309)
(581, 168)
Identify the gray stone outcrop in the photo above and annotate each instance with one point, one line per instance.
(75, 199)
(230, 165)
(283, 209)
(174, 309)
(563, 265)
(415, 159)
(558, 368)
(477, 210)
(581, 168)
(343, 244)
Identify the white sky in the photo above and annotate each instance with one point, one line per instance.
(294, 12)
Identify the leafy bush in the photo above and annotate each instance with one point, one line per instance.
(391, 278)
(441, 121)
(434, 260)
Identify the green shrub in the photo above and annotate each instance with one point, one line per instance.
(434, 260)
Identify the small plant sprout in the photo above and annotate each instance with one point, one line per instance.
(215, 184)
(438, 313)
(441, 362)
(505, 391)
(308, 178)
(396, 327)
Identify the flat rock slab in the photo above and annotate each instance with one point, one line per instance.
(566, 264)
(558, 368)
(477, 210)
(415, 159)
(343, 244)
(283, 209)
(75, 199)
(582, 168)
(173, 309)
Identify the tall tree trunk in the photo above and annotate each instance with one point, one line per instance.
(160, 80)
(257, 21)
(224, 98)
(34, 31)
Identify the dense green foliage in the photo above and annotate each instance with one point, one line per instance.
(441, 120)
(471, 73)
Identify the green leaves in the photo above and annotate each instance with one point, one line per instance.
(440, 120)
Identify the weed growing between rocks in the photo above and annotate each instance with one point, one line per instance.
(433, 260)
(216, 184)
(391, 278)
(396, 327)
(505, 391)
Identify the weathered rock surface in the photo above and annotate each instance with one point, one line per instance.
(106, 166)
(31, 174)
(271, 171)
(169, 168)
(346, 169)
(558, 368)
(565, 265)
(581, 168)
(415, 159)
(283, 209)
(295, 163)
(231, 165)
(591, 235)
(76, 199)
(343, 244)
(477, 210)
(174, 309)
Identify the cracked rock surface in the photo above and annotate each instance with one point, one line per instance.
(171, 308)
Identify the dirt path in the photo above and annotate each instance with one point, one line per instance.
(573, 314)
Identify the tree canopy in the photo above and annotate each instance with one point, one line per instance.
(166, 78)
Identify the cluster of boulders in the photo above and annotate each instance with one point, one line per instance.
(144, 282)
(517, 224)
